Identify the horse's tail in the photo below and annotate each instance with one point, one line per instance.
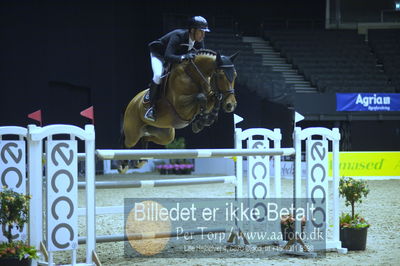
(122, 134)
(123, 165)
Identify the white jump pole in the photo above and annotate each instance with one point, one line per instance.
(162, 182)
(139, 236)
(187, 153)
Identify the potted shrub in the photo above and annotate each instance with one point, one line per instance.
(287, 226)
(177, 166)
(353, 227)
(178, 143)
(14, 209)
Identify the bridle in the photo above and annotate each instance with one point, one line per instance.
(212, 86)
(211, 89)
(215, 87)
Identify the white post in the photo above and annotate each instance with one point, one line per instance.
(107, 167)
(335, 176)
(239, 178)
(277, 165)
(35, 178)
(90, 193)
(297, 175)
(239, 164)
(327, 14)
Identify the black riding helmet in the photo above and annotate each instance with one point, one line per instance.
(198, 22)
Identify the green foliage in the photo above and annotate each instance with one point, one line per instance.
(14, 209)
(353, 191)
(356, 222)
(17, 249)
(178, 143)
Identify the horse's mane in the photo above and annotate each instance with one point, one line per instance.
(202, 54)
(206, 52)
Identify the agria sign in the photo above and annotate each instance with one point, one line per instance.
(367, 102)
(374, 102)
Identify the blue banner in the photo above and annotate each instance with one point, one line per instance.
(368, 102)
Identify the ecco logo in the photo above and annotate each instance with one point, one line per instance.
(12, 160)
(259, 179)
(61, 193)
(318, 182)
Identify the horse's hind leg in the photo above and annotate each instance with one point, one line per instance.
(122, 164)
(131, 134)
(140, 163)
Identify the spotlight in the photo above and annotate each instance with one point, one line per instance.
(397, 5)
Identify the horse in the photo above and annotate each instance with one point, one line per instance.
(193, 89)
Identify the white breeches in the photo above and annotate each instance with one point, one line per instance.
(157, 66)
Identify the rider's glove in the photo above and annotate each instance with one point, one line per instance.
(187, 56)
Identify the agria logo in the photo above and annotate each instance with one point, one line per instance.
(374, 102)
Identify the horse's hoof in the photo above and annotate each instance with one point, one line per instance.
(197, 127)
(208, 123)
(139, 164)
(209, 120)
(123, 170)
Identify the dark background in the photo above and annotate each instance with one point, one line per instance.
(64, 56)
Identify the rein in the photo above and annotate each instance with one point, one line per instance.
(201, 74)
(214, 89)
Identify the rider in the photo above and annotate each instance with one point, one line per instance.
(174, 47)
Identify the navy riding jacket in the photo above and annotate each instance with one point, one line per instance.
(173, 45)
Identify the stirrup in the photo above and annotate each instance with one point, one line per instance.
(146, 98)
(149, 115)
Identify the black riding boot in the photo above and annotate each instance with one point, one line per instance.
(151, 112)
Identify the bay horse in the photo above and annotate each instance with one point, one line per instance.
(195, 87)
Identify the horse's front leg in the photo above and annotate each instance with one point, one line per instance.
(212, 116)
(201, 100)
(207, 115)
